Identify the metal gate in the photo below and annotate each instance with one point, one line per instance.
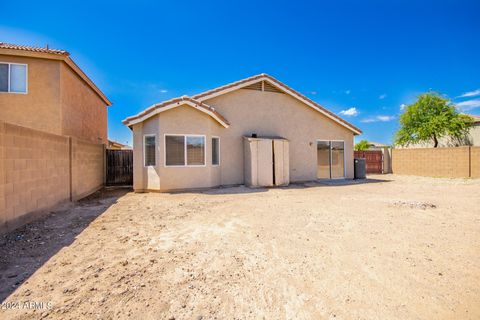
(119, 167)
(373, 159)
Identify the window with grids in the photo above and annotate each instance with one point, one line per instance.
(13, 77)
(184, 150)
(215, 151)
(149, 152)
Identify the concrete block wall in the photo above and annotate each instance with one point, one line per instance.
(88, 161)
(475, 162)
(458, 162)
(36, 173)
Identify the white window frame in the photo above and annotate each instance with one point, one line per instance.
(219, 161)
(185, 165)
(8, 78)
(330, 155)
(144, 150)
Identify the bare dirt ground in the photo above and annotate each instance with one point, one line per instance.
(402, 248)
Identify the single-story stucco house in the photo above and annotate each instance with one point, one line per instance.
(256, 131)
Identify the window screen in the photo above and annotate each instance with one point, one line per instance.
(18, 78)
(323, 159)
(215, 151)
(195, 151)
(3, 77)
(175, 150)
(149, 151)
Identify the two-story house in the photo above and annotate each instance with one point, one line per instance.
(44, 89)
(53, 133)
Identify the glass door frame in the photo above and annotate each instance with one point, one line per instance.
(330, 157)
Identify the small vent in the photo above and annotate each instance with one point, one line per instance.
(268, 87)
(263, 86)
(255, 86)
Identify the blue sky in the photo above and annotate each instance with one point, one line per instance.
(365, 58)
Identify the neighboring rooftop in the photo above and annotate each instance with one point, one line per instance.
(476, 119)
(112, 144)
(377, 144)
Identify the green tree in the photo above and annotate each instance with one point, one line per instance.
(362, 145)
(430, 118)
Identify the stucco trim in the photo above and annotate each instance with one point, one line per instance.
(265, 77)
(174, 103)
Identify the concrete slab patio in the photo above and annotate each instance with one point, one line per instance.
(400, 248)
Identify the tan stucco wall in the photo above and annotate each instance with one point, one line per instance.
(248, 111)
(40, 170)
(475, 135)
(84, 114)
(275, 114)
(40, 108)
(57, 101)
(181, 120)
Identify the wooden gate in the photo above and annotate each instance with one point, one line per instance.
(119, 167)
(373, 159)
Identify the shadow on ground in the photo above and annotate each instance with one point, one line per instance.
(241, 189)
(24, 250)
(344, 182)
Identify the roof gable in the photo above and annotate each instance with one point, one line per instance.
(281, 86)
(198, 102)
(173, 103)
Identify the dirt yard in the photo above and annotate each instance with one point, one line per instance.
(398, 248)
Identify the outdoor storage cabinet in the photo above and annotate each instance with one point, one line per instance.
(266, 162)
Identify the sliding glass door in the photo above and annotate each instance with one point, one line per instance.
(338, 159)
(323, 159)
(330, 159)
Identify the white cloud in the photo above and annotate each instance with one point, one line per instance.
(348, 91)
(403, 106)
(163, 91)
(352, 112)
(468, 105)
(379, 118)
(382, 96)
(473, 93)
(385, 118)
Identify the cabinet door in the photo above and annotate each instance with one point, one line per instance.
(265, 163)
(280, 153)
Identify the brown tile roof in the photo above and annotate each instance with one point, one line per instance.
(280, 84)
(476, 119)
(202, 106)
(32, 49)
